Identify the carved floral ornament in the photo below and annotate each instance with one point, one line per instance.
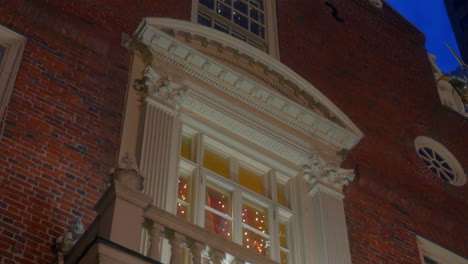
(314, 172)
(162, 87)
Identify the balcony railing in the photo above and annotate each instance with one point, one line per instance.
(115, 235)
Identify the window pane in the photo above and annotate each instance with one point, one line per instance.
(223, 10)
(218, 224)
(257, 3)
(186, 147)
(219, 199)
(204, 20)
(2, 53)
(281, 195)
(255, 14)
(255, 216)
(241, 20)
(283, 238)
(257, 30)
(208, 3)
(216, 162)
(217, 218)
(251, 180)
(221, 27)
(284, 257)
(241, 6)
(255, 242)
(183, 197)
(228, 2)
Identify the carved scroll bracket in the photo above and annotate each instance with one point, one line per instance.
(127, 172)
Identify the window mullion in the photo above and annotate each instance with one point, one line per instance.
(237, 213)
(199, 184)
(274, 234)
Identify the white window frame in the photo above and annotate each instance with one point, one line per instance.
(14, 44)
(276, 213)
(271, 28)
(437, 253)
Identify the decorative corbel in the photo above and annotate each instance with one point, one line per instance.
(137, 47)
(330, 175)
(312, 170)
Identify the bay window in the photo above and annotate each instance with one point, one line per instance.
(233, 195)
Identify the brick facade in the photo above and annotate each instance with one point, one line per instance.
(60, 133)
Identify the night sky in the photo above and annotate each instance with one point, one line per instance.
(431, 18)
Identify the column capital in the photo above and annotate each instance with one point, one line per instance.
(328, 176)
(160, 87)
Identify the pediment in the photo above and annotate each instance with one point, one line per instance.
(255, 78)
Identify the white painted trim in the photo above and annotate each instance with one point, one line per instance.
(14, 44)
(459, 174)
(438, 253)
(149, 27)
(271, 28)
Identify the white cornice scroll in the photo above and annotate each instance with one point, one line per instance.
(246, 90)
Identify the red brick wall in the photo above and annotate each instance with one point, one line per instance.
(61, 131)
(374, 67)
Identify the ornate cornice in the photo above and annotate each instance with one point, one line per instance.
(247, 90)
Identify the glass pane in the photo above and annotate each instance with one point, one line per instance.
(241, 20)
(218, 224)
(255, 14)
(184, 189)
(257, 30)
(257, 3)
(2, 53)
(219, 26)
(216, 162)
(284, 257)
(445, 164)
(251, 180)
(283, 238)
(241, 6)
(218, 199)
(186, 147)
(204, 20)
(255, 242)
(255, 216)
(208, 3)
(183, 211)
(281, 195)
(223, 10)
(228, 2)
(429, 151)
(438, 157)
(428, 260)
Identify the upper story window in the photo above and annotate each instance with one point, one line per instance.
(233, 195)
(432, 253)
(252, 21)
(11, 50)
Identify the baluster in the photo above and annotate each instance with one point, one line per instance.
(196, 249)
(217, 256)
(176, 249)
(155, 235)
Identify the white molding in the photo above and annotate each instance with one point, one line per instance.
(14, 44)
(449, 97)
(438, 253)
(148, 32)
(248, 91)
(459, 174)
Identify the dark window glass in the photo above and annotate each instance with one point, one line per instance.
(208, 3)
(228, 2)
(241, 20)
(445, 164)
(257, 3)
(255, 14)
(450, 175)
(241, 6)
(464, 22)
(2, 53)
(223, 10)
(203, 20)
(221, 27)
(429, 151)
(438, 157)
(257, 30)
(429, 261)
